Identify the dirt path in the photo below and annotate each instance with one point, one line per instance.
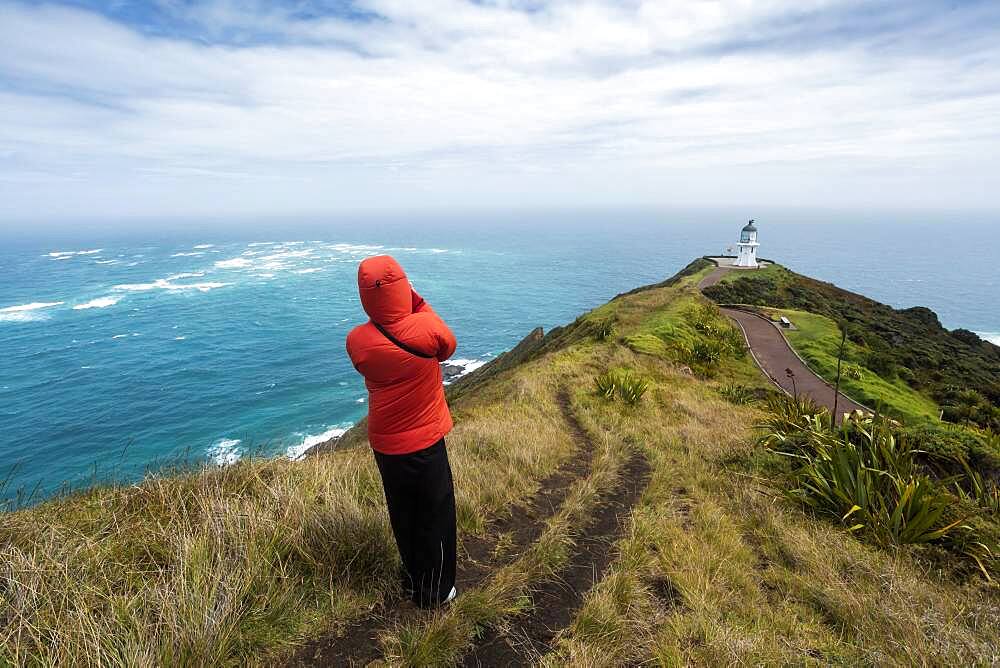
(556, 601)
(774, 356)
(359, 645)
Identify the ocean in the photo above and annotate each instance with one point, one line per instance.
(123, 352)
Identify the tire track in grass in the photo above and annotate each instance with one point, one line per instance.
(359, 644)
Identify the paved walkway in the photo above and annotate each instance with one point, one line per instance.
(774, 356)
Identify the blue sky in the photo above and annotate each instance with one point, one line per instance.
(173, 108)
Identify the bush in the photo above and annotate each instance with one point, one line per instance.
(602, 328)
(707, 352)
(738, 394)
(622, 384)
(950, 447)
(867, 473)
(607, 384)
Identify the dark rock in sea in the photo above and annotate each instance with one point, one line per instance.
(451, 371)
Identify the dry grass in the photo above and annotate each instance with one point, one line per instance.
(229, 566)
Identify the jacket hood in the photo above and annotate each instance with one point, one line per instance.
(384, 289)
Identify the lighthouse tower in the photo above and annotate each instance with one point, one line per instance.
(747, 256)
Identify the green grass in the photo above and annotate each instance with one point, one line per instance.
(772, 273)
(817, 340)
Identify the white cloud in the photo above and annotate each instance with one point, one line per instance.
(572, 103)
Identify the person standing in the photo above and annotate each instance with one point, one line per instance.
(398, 352)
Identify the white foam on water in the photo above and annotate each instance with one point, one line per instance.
(992, 337)
(285, 255)
(165, 284)
(180, 338)
(468, 366)
(225, 452)
(204, 246)
(186, 254)
(119, 336)
(33, 306)
(64, 255)
(297, 452)
(261, 243)
(141, 287)
(100, 302)
(355, 249)
(105, 261)
(234, 263)
(311, 270)
(190, 274)
(360, 400)
(26, 312)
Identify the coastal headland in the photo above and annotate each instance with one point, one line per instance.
(634, 487)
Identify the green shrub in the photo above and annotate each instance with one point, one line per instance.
(622, 383)
(738, 394)
(854, 372)
(607, 384)
(871, 486)
(707, 353)
(868, 475)
(602, 328)
(632, 388)
(952, 446)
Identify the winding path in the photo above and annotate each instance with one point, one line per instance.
(774, 356)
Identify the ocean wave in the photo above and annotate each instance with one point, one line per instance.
(467, 366)
(26, 312)
(299, 451)
(310, 270)
(64, 255)
(190, 274)
(165, 284)
(100, 302)
(354, 249)
(186, 254)
(992, 337)
(105, 261)
(225, 451)
(234, 263)
(204, 246)
(261, 243)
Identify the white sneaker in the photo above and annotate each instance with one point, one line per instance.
(451, 595)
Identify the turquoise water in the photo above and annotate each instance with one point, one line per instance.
(122, 353)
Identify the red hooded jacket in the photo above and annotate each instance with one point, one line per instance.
(406, 405)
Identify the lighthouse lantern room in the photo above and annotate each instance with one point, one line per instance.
(747, 245)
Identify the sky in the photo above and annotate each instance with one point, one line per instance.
(174, 108)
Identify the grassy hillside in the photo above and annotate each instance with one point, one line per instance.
(817, 340)
(600, 525)
(954, 369)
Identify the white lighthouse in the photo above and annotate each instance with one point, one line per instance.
(747, 256)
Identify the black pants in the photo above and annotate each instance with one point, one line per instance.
(421, 498)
